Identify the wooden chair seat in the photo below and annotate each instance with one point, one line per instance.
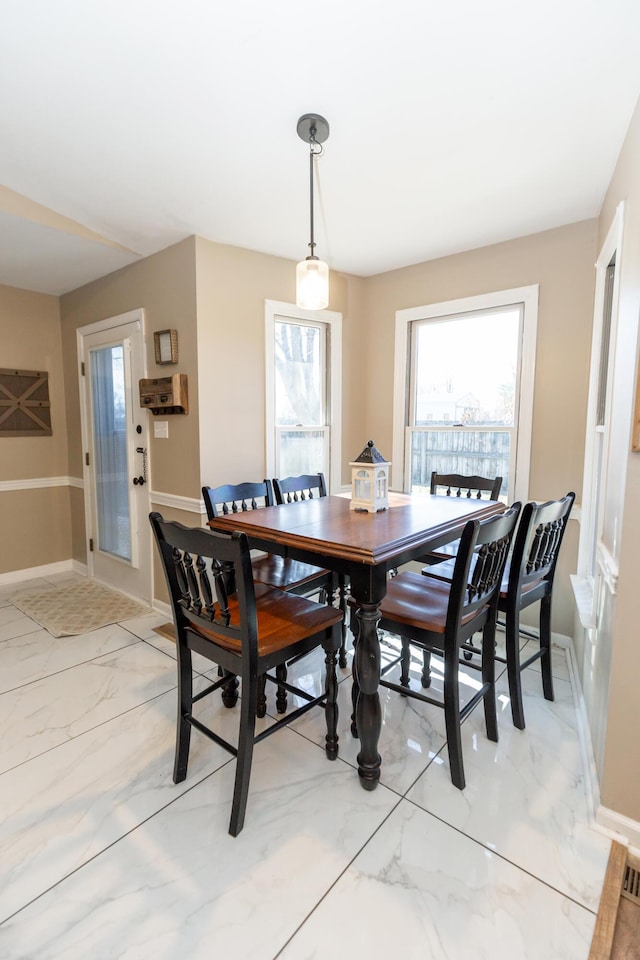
(444, 571)
(247, 629)
(283, 573)
(282, 620)
(408, 603)
(526, 587)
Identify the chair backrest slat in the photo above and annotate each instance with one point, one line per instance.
(538, 541)
(486, 545)
(237, 498)
(459, 485)
(305, 487)
(209, 580)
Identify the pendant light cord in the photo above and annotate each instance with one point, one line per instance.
(311, 156)
(315, 152)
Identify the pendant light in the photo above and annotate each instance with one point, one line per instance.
(312, 274)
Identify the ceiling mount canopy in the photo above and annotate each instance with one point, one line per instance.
(312, 274)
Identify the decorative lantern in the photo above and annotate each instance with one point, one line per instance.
(370, 480)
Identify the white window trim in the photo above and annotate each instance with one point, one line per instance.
(591, 525)
(528, 296)
(277, 308)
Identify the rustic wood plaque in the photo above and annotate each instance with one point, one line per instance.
(25, 410)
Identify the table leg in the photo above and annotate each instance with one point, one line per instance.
(366, 674)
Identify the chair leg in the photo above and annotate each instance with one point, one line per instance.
(261, 697)
(342, 603)
(281, 696)
(489, 678)
(230, 689)
(405, 662)
(545, 646)
(246, 737)
(185, 705)
(331, 703)
(452, 720)
(426, 669)
(512, 642)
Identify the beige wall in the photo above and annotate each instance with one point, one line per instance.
(30, 336)
(561, 262)
(163, 285)
(620, 786)
(233, 285)
(30, 332)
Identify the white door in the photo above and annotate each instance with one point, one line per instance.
(115, 444)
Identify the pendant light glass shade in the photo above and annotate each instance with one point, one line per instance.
(312, 284)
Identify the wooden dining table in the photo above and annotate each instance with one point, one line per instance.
(326, 532)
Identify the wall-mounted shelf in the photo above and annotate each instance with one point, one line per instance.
(165, 395)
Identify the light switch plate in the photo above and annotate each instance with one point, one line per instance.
(161, 429)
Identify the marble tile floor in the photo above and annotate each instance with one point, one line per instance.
(102, 856)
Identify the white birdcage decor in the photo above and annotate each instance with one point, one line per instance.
(370, 480)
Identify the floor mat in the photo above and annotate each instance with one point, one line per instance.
(76, 608)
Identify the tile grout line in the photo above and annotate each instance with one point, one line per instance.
(83, 733)
(113, 843)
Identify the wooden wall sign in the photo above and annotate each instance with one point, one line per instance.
(25, 410)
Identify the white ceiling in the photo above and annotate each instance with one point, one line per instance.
(453, 125)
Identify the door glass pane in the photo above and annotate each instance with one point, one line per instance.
(299, 375)
(110, 451)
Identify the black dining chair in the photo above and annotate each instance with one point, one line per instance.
(304, 487)
(528, 578)
(439, 616)
(454, 485)
(459, 485)
(283, 573)
(308, 486)
(248, 629)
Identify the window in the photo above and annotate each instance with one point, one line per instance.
(463, 391)
(303, 380)
(602, 488)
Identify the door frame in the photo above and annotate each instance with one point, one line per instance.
(112, 323)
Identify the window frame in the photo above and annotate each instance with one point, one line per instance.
(276, 309)
(597, 557)
(527, 297)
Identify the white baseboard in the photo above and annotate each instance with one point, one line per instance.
(620, 828)
(46, 570)
(608, 822)
(159, 606)
(591, 782)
